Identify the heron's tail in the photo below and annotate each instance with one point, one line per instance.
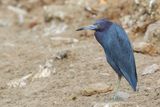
(133, 82)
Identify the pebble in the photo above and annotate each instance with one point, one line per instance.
(61, 55)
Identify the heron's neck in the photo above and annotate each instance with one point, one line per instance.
(99, 37)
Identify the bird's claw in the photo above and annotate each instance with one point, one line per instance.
(116, 98)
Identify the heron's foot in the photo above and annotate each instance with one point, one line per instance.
(116, 97)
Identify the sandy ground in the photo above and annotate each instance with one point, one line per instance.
(26, 52)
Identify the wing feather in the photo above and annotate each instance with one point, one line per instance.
(120, 54)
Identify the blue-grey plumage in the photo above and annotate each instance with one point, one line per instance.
(118, 49)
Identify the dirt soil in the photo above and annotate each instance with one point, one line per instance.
(24, 51)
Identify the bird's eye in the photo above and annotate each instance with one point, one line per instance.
(98, 26)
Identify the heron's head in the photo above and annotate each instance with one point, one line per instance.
(99, 25)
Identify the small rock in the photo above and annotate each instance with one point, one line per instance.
(96, 89)
(145, 48)
(45, 70)
(61, 55)
(151, 69)
(73, 97)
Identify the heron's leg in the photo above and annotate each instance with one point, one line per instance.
(116, 88)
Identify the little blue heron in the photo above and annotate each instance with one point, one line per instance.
(118, 50)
